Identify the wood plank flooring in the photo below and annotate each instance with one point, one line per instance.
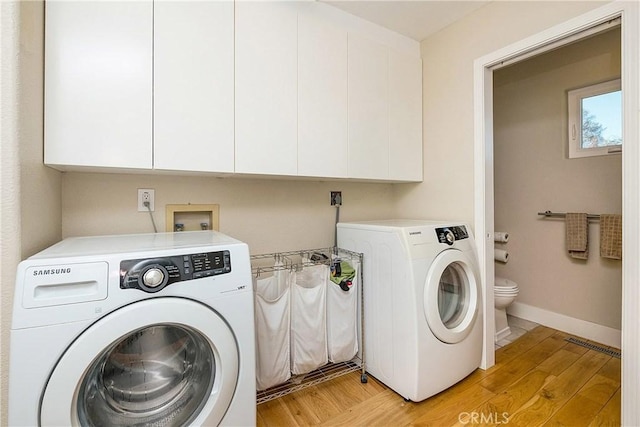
(538, 380)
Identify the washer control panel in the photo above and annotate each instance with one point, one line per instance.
(154, 274)
(449, 235)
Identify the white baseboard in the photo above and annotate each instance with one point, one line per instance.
(581, 328)
(503, 334)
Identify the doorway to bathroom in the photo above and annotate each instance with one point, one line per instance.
(630, 158)
(534, 172)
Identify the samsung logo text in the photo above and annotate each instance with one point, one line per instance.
(52, 271)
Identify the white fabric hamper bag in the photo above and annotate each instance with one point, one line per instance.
(308, 319)
(342, 325)
(273, 314)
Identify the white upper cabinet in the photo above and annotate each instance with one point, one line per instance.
(193, 122)
(98, 84)
(385, 112)
(288, 88)
(405, 117)
(322, 96)
(368, 109)
(266, 87)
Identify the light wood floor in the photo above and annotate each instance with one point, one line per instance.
(538, 380)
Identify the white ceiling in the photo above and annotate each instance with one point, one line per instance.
(415, 19)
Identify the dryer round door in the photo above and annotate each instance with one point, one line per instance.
(162, 361)
(451, 296)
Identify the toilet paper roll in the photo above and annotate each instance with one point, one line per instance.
(501, 255)
(501, 237)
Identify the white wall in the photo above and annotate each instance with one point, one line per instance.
(448, 189)
(30, 192)
(534, 174)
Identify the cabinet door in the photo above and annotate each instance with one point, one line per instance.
(98, 84)
(405, 117)
(193, 86)
(322, 97)
(368, 109)
(266, 87)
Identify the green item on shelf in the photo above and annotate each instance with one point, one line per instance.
(342, 274)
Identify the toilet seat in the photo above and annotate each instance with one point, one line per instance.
(504, 286)
(504, 289)
(506, 293)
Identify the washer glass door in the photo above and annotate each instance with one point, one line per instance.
(156, 373)
(451, 296)
(161, 361)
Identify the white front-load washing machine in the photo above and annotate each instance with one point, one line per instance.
(148, 329)
(422, 322)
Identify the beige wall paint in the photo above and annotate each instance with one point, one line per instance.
(448, 56)
(40, 186)
(30, 192)
(534, 174)
(269, 214)
(9, 184)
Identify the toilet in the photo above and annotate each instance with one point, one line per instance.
(504, 291)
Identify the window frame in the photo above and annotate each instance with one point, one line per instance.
(574, 125)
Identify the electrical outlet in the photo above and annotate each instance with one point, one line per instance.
(146, 195)
(336, 198)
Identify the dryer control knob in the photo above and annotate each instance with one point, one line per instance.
(153, 277)
(449, 237)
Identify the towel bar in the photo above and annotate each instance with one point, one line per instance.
(562, 215)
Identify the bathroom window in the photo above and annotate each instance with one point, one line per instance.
(595, 120)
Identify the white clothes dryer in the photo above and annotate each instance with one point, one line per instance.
(148, 329)
(422, 308)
